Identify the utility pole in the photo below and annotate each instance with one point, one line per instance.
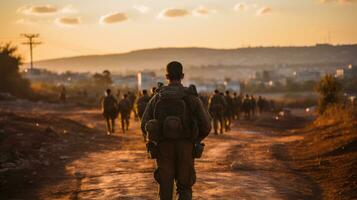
(31, 42)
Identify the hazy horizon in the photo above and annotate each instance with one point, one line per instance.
(70, 28)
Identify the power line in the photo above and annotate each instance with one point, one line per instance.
(31, 42)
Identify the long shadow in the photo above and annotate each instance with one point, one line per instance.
(51, 139)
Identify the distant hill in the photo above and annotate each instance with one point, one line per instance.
(157, 58)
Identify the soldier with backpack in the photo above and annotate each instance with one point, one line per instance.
(142, 102)
(216, 108)
(229, 111)
(124, 110)
(175, 122)
(109, 107)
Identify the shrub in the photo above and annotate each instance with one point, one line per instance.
(329, 89)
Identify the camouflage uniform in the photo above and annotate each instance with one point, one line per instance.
(142, 103)
(124, 110)
(109, 107)
(229, 111)
(246, 107)
(175, 161)
(216, 108)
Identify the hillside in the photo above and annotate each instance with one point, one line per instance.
(157, 58)
(328, 154)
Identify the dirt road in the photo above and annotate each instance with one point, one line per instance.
(237, 165)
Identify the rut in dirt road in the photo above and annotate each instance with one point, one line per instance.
(237, 165)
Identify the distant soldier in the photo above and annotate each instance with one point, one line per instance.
(153, 91)
(237, 105)
(253, 106)
(124, 111)
(109, 107)
(246, 107)
(175, 122)
(216, 108)
(132, 99)
(260, 104)
(142, 102)
(63, 95)
(228, 112)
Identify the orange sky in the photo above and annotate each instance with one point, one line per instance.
(78, 27)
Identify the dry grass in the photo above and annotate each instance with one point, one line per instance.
(328, 153)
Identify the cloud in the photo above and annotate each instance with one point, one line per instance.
(113, 18)
(174, 12)
(202, 10)
(45, 10)
(141, 8)
(264, 10)
(69, 21)
(338, 1)
(240, 7)
(38, 10)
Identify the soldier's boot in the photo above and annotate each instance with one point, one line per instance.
(185, 195)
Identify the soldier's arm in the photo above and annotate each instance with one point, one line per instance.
(148, 114)
(203, 120)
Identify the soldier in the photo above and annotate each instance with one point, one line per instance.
(175, 123)
(63, 95)
(153, 91)
(124, 110)
(109, 107)
(237, 105)
(142, 102)
(260, 104)
(216, 108)
(246, 107)
(228, 112)
(253, 106)
(132, 99)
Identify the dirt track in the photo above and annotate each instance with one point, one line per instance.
(240, 164)
(236, 165)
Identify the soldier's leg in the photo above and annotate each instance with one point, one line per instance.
(221, 123)
(113, 124)
(215, 124)
(122, 117)
(107, 120)
(165, 171)
(127, 122)
(185, 171)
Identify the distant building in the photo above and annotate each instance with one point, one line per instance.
(307, 75)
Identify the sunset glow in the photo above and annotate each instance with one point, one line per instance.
(69, 28)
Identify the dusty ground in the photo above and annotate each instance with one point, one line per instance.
(240, 164)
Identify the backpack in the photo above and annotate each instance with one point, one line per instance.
(142, 103)
(109, 104)
(172, 112)
(124, 106)
(216, 104)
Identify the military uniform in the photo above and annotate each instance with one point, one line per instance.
(228, 112)
(141, 104)
(109, 107)
(217, 105)
(175, 157)
(124, 109)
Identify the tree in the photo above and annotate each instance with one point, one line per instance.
(104, 79)
(11, 80)
(329, 89)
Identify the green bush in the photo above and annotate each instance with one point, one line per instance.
(11, 80)
(329, 89)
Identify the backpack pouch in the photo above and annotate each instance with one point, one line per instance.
(172, 127)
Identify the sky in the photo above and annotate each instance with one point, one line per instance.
(83, 27)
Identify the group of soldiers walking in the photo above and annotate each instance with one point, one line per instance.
(225, 107)
(122, 109)
(175, 120)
